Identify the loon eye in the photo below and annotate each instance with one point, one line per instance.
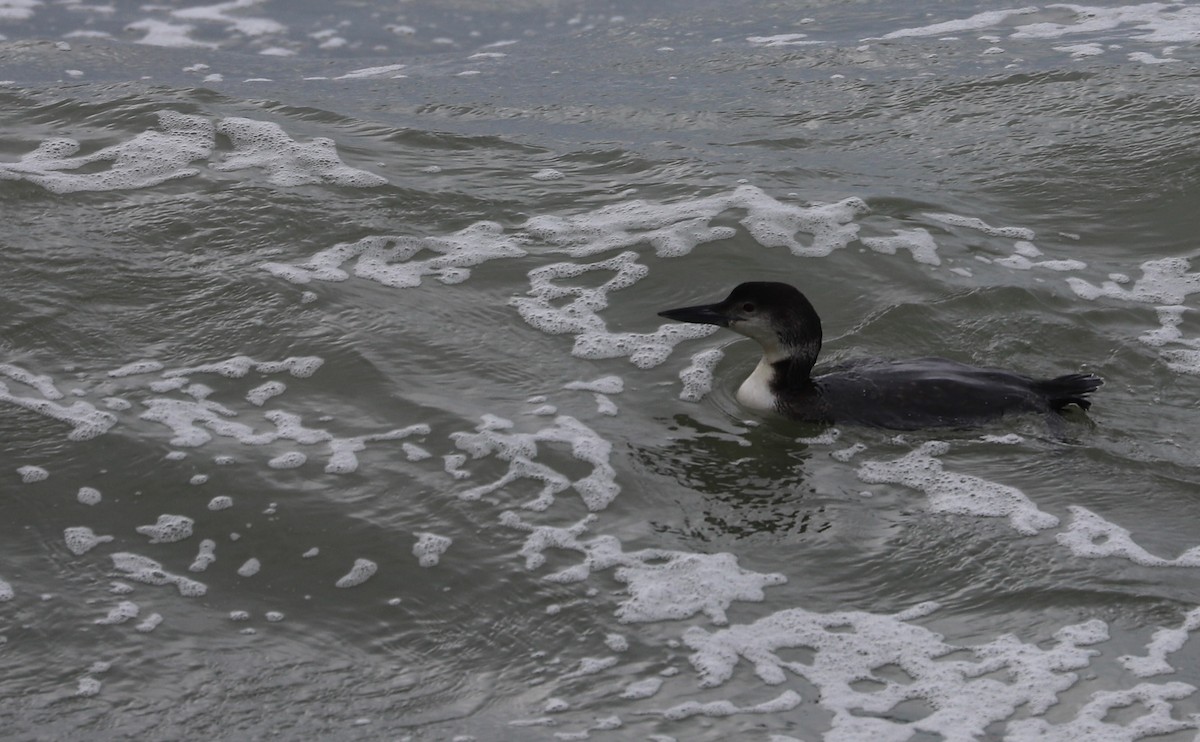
(748, 308)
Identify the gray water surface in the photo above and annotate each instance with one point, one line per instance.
(391, 276)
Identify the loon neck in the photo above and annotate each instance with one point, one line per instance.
(778, 371)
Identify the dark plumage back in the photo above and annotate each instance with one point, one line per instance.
(1070, 389)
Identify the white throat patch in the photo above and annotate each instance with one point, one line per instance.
(755, 392)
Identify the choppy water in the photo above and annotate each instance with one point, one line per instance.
(333, 401)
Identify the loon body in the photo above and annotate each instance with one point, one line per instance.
(901, 395)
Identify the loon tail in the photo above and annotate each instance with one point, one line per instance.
(1070, 389)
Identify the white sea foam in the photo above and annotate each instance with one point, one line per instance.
(301, 367)
(241, 24)
(85, 420)
(917, 241)
(1090, 536)
(220, 502)
(89, 496)
(120, 613)
(163, 33)
(785, 701)
(1164, 642)
(959, 494)
(962, 494)
(965, 695)
(429, 548)
(87, 687)
(147, 159)
(265, 145)
(358, 574)
(41, 382)
(205, 556)
(168, 529)
(343, 460)
(697, 377)
(661, 584)
(30, 474)
(644, 688)
(597, 489)
(135, 368)
(413, 452)
(150, 623)
(601, 385)
(288, 460)
(249, 568)
(1095, 720)
(81, 539)
(389, 259)
(6, 591)
(260, 394)
(384, 71)
(1163, 281)
(977, 22)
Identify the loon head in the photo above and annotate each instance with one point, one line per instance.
(777, 315)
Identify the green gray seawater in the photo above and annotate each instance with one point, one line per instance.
(662, 113)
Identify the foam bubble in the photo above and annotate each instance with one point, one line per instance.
(601, 385)
(661, 584)
(144, 569)
(970, 222)
(597, 489)
(259, 395)
(122, 612)
(287, 162)
(413, 452)
(150, 623)
(1094, 721)
(273, 616)
(314, 551)
(220, 502)
(168, 529)
(642, 688)
(163, 33)
(249, 568)
(848, 647)
(41, 382)
(1164, 642)
(389, 259)
(961, 494)
(6, 591)
(88, 687)
(358, 574)
(548, 174)
(88, 496)
(917, 241)
(235, 23)
(147, 159)
(31, 474)
(239, 615)
(786, 701)
(288, 460)
(135, 368)
(85, 420)
(429, 548)
(697, 377)
(386, 71)
(206, 556)
(591, 666)
(1090, 536)
(1163, 281)
(80, 540)
(198, 479)
(616, 642)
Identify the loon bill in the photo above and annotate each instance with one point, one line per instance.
(898, 394)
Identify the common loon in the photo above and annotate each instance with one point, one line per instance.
(900, 394)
